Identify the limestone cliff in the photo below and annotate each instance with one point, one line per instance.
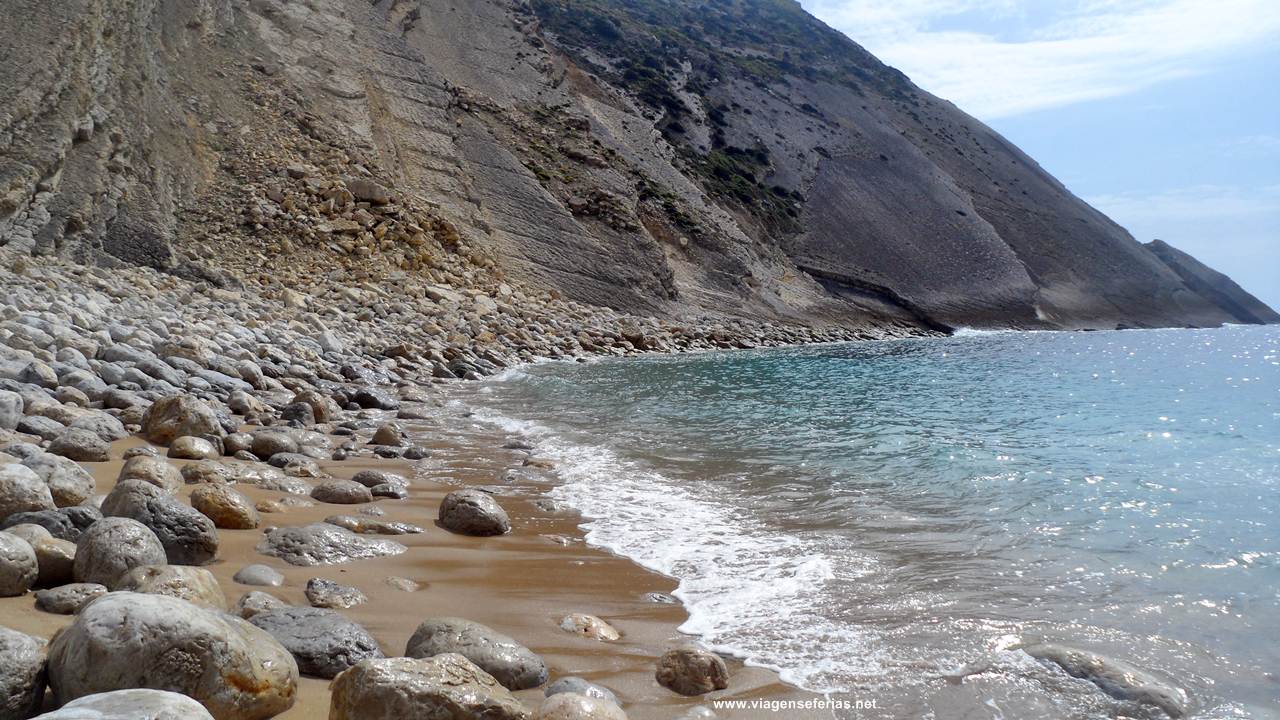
(673, 158)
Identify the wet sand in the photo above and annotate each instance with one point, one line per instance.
(520, 584)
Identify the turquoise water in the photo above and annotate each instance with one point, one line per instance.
(868, 518)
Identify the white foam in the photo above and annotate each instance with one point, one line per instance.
(751, 591)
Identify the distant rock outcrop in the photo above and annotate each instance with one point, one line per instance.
(1214, 286)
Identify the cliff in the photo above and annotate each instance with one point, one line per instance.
(676, 159)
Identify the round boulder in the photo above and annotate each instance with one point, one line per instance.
(692, 671)
(572, 706)
(225, 507)
(192, 448)
(69, 484)
(342, 492)
(254, 602)
(153, 470)
(112, 547)
(324, 544)
(445, 686)
(172, 417)
(577, 685)
(19, 567)
(22, 490)
(325, 593)
(56, 559)
(22, 674)
(81, 445)
(195, 585)
(127, 640)
(473, 512)
(588, 626)
(323, 642)
(259, 576)
(68, 599)
(512, 664)
(188, 537)
(133, 704)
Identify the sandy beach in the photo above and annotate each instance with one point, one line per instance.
(520, 584)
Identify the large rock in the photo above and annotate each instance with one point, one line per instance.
(22, 490)
(19, 567)
(11, 406)
(372, 526)
(323, 408)
(112, 547)
(22, 674)
(127, 640)
(69, 484)
(512, 664)
(374, 478)
(56, 559)
(572, 706)
(446, 686)
(65, 523)
(195, 585)
(342, 492)
(68, 599)
(323, 544)
(322, 641)
(81, 446)
(172, 417)
(692, 671)
(192, 448)
(272, 442)
(255, 602)
(133, 704)
(188, 537)
(325, 593)
(473, 512)
(154, 470)
(572, 684)
(101, 424)
(259, 575)
(1115, 677)
(225, 507)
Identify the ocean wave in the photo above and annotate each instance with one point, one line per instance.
(751, 592)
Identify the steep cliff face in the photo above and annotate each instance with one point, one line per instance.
(667, 157)
(1214, 286)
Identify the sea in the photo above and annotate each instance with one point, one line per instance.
(896, 522)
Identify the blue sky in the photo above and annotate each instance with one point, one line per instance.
(1164, 114)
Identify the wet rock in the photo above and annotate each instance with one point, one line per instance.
(511, 663)
(68, 599)
(323, 642)
(445, 686)
(192, 448)
(370, 526)
(11, 406)
(152, 470)
(207, 472)
(577, 685)
(259, 575)
(255, 602)
(232, 668)
(270, 442)
(18, 565)
(473, 512)
(235, 442)
(1115, 677)
(101, 424)
(56, 560)
(402, 584)
(374, 398)
(132, 704)
(298, 414)
(323, 408)
(69, 484)
(588, 626)
(692, 671)
(325, 593)
(323, 544)
(112, 547)
(81, 446)
(21, 490)
(195, 585)
(296, 465)
(374, 478)
(225, 507)
(172, 417)
(389, 434)
(660, 598)
(188, 537)
(416, 452)
(572, 706)
(22, 674)
(65, 523)
(387, 490)
(342, 492)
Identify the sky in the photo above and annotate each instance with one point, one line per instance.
(1164, 114)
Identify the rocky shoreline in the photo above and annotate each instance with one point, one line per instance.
(170, 445)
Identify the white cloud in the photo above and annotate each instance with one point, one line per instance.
(1200, 202)
(1030, 56)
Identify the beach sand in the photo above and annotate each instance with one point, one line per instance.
(520, 584)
